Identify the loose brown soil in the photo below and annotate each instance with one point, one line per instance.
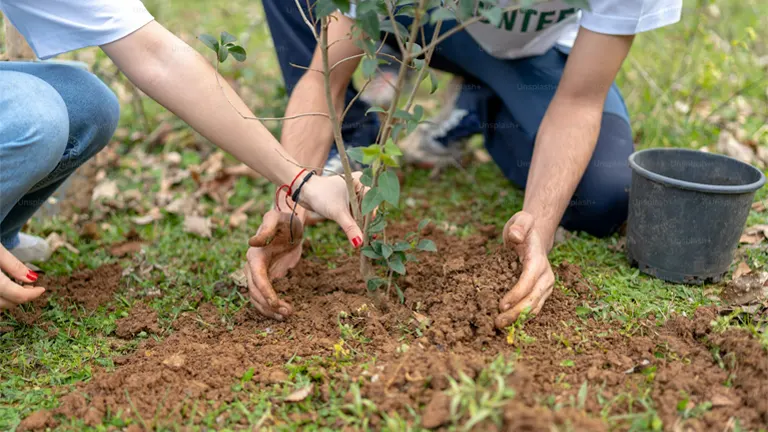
(89, 289)
(447, 323)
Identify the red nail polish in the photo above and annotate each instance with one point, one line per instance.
(375, 236)
(32, 275)
(357, 241)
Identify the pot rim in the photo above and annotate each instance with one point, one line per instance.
(699, 187)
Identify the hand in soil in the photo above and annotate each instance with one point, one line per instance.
(270, 256)
(11, 293)
(537, 280)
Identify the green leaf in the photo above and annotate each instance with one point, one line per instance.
(441, 14)
(369, 23)
(432, 81)
(227, 38)
(371, 153)
(375, 110)
(396, 264)
(402, 114)
(466, 8)
(583, 311)
(392, 149)
(401, 246)
(418, 112)
(210, 42)
(426, 245)
(386, 250)
(370, 253)
(386, 26)
(400, 295)
(372, 200)
(378, 224)
(411, 125)
(223, 53)
(582, 396)
(396, 129)
(343, 5)
(494, 15)
(375, 283)
(238, 53)
(419, 63)
(248, 375)
(369, 67)
(423, 224)
(389, 161)
(323, 8)
(355, 153)
(567, 363)
(367, 178)
(389, 186)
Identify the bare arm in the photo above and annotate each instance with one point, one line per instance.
(570, 128)
(179, 78)
(309, 139)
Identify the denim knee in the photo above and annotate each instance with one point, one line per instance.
(35, 126)
(94, 111)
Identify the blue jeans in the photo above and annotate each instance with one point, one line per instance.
(505, 101)
(53, 118)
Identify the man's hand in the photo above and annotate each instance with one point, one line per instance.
(537, 280)
(270, 256)
(11, 293)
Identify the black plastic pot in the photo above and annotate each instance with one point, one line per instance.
(687, 210)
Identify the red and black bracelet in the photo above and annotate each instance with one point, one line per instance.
(294, 195)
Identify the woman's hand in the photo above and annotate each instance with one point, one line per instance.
(270, 256)
(11, 293)
(328, 197)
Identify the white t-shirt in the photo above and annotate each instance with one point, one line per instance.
(533, 31)
(53, 27)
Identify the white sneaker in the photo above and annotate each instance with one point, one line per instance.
(31, 249)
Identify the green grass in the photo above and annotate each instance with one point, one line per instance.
(678, 63)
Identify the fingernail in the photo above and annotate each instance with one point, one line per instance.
(32, 275)
(284, 311)
(278, 316)
(357, 241)
(505, 307)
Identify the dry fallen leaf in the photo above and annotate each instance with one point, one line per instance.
(758, 206)
(125, 248)
(175, 361)
(105, 190)
(182, 206)
(741, 270)
(238, 276)
(421, 319)
(239, 215)
(748, 289)
(729, 146)
(754, 234)
(198, 225)
(153, 215)
(301, 394)
(55, 241)
(719, 400)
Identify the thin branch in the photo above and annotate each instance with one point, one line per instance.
(305, 67)
(336, 125)
(735, 94)
(354, 99)
(304, 17)
(397, 31)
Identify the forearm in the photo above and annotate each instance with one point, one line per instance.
(180, 79)
(309, 138)
(564, 146)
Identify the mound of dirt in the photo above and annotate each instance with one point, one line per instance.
(89, 288)
(142, 318)
(585, 367)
